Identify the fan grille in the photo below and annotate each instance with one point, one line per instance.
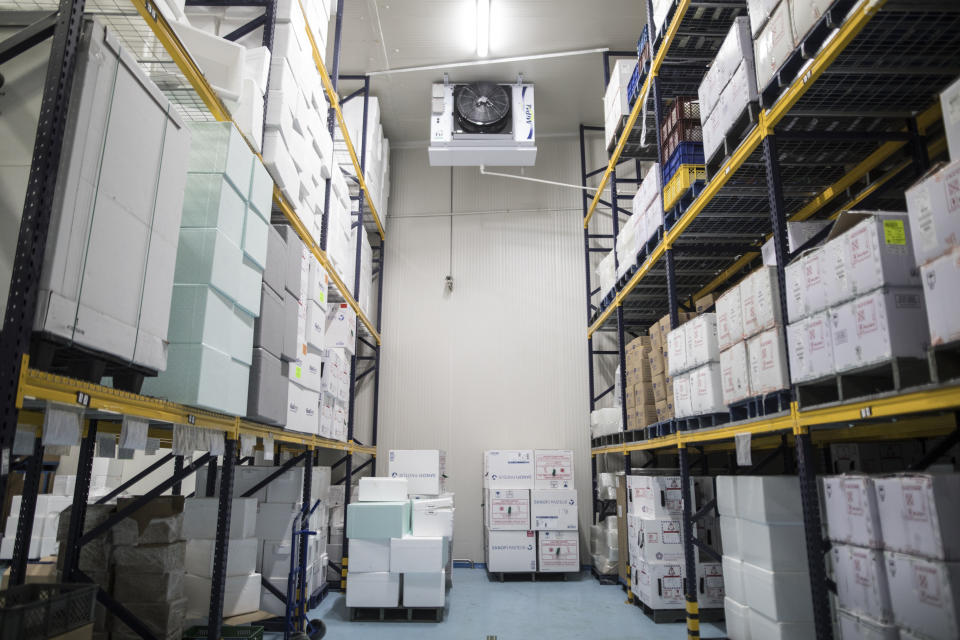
(482, 107)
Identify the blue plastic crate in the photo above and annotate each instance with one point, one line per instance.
(685, 153)
(643, 41)
(633, 86)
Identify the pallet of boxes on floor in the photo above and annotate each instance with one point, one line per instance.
(530, 517)
(399, 536)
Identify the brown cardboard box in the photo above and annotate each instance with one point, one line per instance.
(647, 415)
(664, 410)
(668, 384)
(622, 536)
(704, 303)
(631, 399)
(44, 571)
(659, 388)
(643, 394)
(80, 633)
(159, 507)
(656, 362)
(656, 337)
(638, 369)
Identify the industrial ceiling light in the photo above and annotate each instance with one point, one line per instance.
(483, 28)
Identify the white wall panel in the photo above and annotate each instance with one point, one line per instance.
(499, 362)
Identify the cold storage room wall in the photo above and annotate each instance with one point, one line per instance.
(499, 362)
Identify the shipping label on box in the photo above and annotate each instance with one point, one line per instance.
(424, 469)
(660, 540)
(508, 469)
(553, 509)
(554, 469)
(558, 551)
(508, 509)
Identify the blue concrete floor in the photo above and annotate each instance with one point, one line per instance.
(478, 607)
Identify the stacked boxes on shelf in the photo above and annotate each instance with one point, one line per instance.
(663, 387)
(681, 146)
(604, 422)
(693, 363)
(218, 277)
(377, 164)
(371, 528)
(855, 301)
(241, 591)
(616, 102)
(655, 542)
(936, 244)
(764, 558)
(728, 87)
(336, 521)
(107, 277)
(43, 535)
(753, 358)
(640, 392)
(639, 228)
(553, 512)
(896, 562)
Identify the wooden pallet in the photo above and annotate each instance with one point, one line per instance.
(732, 139)
(396, 614)
(54, 354)
(605, 578)
(705, 421)
(896, 374)
(532, 576)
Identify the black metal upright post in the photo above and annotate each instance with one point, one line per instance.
(303, 596)
(219, 577)
(70, 548)
(28, 507)
(376, 362)
(177, 468)
(35, 221)
(918, 148)
(813, 532)
(211, 487)
(584, 202)
(778, 217)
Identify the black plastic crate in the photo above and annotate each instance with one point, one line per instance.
(38, 611)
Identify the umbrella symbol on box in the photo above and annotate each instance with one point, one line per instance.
(393, 475)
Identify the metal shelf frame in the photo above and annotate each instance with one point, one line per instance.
(27, 391)
(805, 155)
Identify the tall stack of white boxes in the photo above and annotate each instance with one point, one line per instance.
(655, 542)
(616, 102)
(530, 511)
(764, 558)
(692, 355)
(856, 300)
(895, 554)
(399, 534)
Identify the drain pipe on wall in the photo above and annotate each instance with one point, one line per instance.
(483, 170)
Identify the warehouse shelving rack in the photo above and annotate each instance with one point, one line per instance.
(855, 124)
(27, 392)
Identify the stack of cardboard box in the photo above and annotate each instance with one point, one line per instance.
(641, 405)
(659, 365)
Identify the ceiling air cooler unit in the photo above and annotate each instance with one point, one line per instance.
(482, 123)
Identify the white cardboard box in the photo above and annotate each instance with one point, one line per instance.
(660, 540)
(380, 589)
(851, 626)
(554, 469)
(553, 509)
(810, 345)
(508, 469)
(767, 354)
(656, 496)
(941, 282)
(241, 557)
(851, 515)
(660, 585)
(861, 581)
(779, 595)
(879, 252)
(241, 594)
(760, 301)
(424, 589)
(734, 373)
(835, 272)
(950, 106)
(925, 594)
(793, 277)
(729, 318)
(682, 396)
(511, 551)
(275, 519)
(883, 324)
(773, 43)
(701, 334)
(424, 469)
(677, 350)
(373, 489)
(417, 555)
(200, 518)
(558, 551)
(736, 46)
(918, 514)
(369, 555)
(932, 205)
(710, 589)
(706, 390)
(507, 509)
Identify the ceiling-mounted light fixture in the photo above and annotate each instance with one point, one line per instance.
(483, 28)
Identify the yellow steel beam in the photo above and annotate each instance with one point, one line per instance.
(335, 105)
(894, 405)
(900, 429)
(760, 426)
(638, 106)
(662, 442)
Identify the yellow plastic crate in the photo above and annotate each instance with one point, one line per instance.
(681, 182)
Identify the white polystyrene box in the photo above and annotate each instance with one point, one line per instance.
(221, 61)
(766, 628)
(511, 551)
(558, 551)
(769, 499)
(706, 390)
(200, 518)
(507, 509)
(885, 323)
(760, 301)
(931, 205)
(918, 515)
(730, 534)
(736, 618)
(287, 487)
(737, 46)
(729, 318)
(431, 521)
(925, 594)
(553, 468)
(762, 545)
(241, 557)
(880, 252)
(767, 354)
(374, 489)
(677, 350)
(779, 595)
(850, 510)
(701, 335)
(275, 558)
(553, 509)
(508, 469)
(727, 495)
(369, 555)
(424, 469)
(734, 373)
(861, 581)
(941, 282)
(379, 589)
(241, 594)
(423, 589)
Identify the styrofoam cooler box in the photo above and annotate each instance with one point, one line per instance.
(677, 350)
(861, 581)
(660, 540)
(737, 618)
(763, 627)
(558, 551)
(730, 534)
(380, 589)
(760, 301)
(883, 324)
(879, 252)
(701, 334)
(918, 515)
(269, 602)
(424, 589)
(287, 487)
(706, 390)
(733, 578)
(275, 558)
(762, 545)
(369, 555)
(735, 373)
(660, 585)
(200, 518)
(373, 489)
(508, 469)
(767, 354)
(424, 469)
(925, 594)
(780, 595)
(510, 551)
(431, 521)
(710, 589)
(417, 554)
(851, 626)
(267, 394)
(553, 509)
(241, 556)
(729, 318)
(931, 204)
(378, 520)
(554, 469)
(241, 594)
(770, 499)
(941, 281)
(507, 509)
(726, 491)
(851, 514)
